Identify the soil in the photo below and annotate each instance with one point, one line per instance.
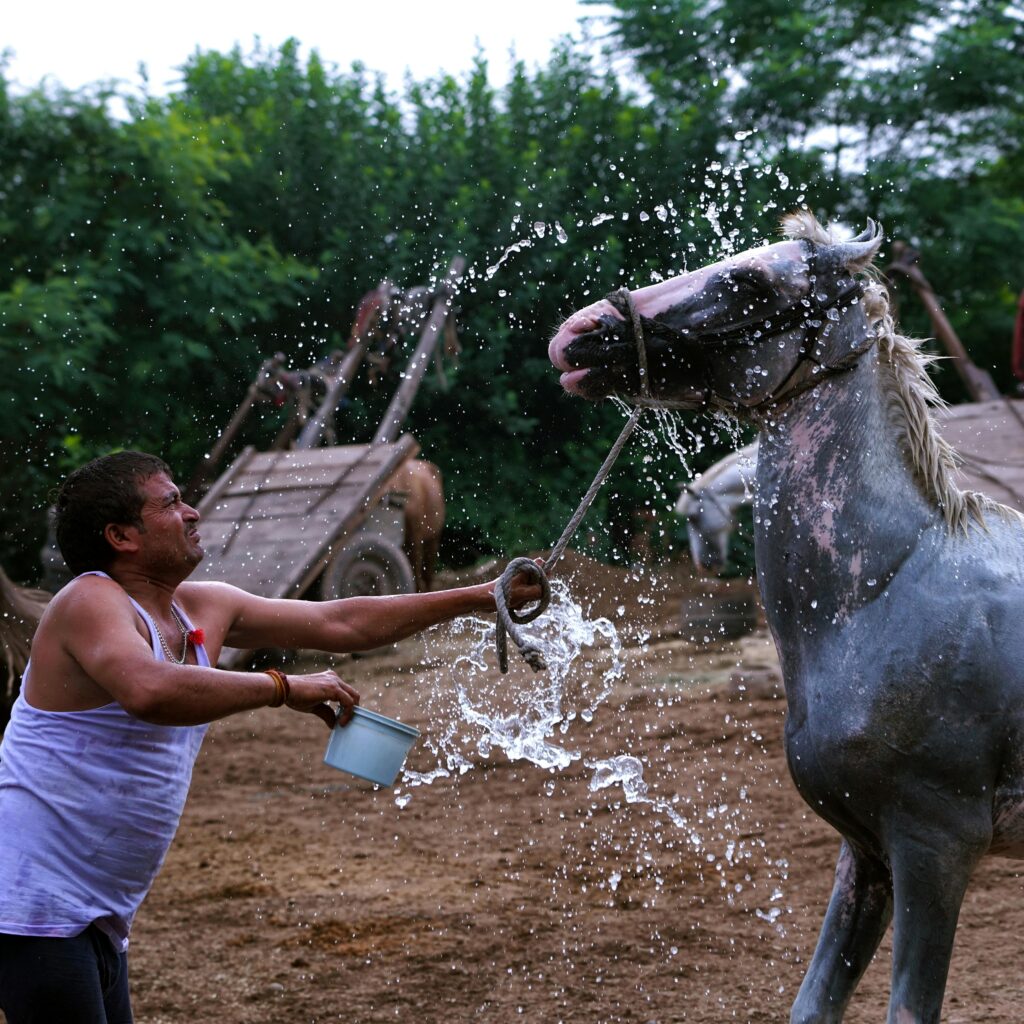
(507, 891)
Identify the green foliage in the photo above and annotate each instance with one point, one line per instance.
(127, 296)
(154, 260)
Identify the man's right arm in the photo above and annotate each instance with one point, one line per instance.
(98, 632)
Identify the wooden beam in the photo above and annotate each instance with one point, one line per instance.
(314, 428)
(978, 382)
(432, 333)
(205, 470)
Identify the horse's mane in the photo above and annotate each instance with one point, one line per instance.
(910, 390)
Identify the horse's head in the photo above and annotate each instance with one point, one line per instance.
(709, 525)
(748, 330)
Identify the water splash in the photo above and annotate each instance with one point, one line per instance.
(628, 771)
(667, 431)
(485, 713)
(518, 246)
(661, 820)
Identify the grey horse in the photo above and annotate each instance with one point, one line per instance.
(895, 599)
(709, 503)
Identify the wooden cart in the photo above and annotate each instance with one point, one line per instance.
(303, 520)
(318, 521)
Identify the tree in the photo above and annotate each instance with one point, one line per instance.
(156, 259)
(123, 289)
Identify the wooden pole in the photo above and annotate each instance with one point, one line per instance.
(204, 471)
(400, 405)
(978, 382)
(314, 428)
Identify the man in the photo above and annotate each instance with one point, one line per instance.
(96, 762)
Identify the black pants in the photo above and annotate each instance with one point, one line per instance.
(81, 980)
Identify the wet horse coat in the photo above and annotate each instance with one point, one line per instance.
(895, 600)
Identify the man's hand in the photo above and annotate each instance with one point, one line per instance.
(523, 589)
(311, 694)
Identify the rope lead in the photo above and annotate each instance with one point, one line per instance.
(508, 618)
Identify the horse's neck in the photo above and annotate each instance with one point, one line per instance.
(730, 489)
(837, 510)
(732, 483)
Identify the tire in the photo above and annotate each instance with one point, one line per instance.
(367, 566)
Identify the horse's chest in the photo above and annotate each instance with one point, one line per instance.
(861, 747)
(832, 759)
(848, 730)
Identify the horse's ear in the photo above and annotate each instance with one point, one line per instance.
(858, 252)
(868, 233)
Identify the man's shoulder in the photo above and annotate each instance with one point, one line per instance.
(81, 608)
(207, 593)
(86, 587)
(83, 593)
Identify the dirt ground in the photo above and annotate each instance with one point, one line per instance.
(507, 891)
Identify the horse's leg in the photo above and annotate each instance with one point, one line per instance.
(857, 916)
(930, 873)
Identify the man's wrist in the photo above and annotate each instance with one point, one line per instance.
(282, 691)
(484, 596)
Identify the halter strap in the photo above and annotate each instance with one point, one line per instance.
(808, 369)
(624, 297)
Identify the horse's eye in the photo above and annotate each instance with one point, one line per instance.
(749, 279)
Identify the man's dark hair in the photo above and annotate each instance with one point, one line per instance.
(95, 495)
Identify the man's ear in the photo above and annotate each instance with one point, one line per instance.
(122, 537)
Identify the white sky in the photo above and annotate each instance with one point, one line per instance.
(78, 43)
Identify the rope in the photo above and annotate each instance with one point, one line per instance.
(509, 619)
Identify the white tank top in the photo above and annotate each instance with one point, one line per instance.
(89, 804)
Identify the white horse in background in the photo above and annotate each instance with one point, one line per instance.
(709, 504)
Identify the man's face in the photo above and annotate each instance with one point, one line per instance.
(168, 536)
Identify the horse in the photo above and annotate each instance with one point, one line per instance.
(894, 598)
(20, 611)
(423, 486)
(709, 504)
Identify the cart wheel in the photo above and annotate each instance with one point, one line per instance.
(367, 566)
